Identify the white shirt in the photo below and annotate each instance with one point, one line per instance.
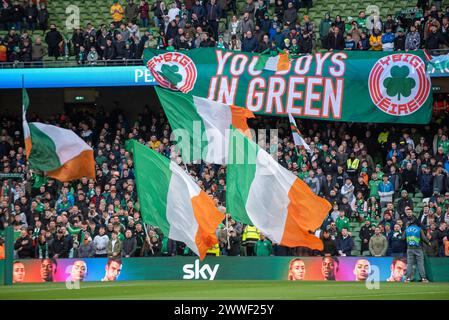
(172, 13)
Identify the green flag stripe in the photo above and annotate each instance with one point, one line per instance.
(43, 154)
(183, 117)
(153, 175)
(240, 174)
(25, 100)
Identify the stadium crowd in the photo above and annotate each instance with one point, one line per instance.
(368, 172)
(192, 24)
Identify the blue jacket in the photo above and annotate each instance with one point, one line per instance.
(279, 39)
(425, 182)
(213, 12)
(398, 155)
(345, 245)
(386, 187)
(387, 37)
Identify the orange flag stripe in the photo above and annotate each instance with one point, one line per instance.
(207, 217)
(239, 119)
(83, 165)
(300, 221)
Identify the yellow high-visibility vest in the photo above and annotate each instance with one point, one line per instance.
(383, 137)
(214, 250)
(251, 233)
(353, 164)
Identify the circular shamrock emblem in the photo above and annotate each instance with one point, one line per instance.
(398, 84)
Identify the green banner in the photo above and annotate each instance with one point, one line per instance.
(354, 86)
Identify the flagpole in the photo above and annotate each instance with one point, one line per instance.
(148, 237)
(227, 233)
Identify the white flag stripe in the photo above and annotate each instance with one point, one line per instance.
(180, 215)
(273, 201)
(68, 145)
(299, 141)
(217, 119)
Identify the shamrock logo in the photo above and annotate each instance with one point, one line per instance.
(399, 84)
(171, 73)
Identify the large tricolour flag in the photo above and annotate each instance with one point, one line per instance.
(202, 125)
(262, 193)
(57, 152)
(172, 201)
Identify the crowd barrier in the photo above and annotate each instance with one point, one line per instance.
(222, 268)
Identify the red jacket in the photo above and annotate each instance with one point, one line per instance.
(143, 11)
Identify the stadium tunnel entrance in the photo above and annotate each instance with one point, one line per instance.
(46, 102)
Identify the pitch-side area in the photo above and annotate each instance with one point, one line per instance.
(204, 290)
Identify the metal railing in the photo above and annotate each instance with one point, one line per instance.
(70, 64)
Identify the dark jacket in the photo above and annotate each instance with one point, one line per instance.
(120, 49)
(329, 246)
(402, 203)
(109, 52)
(131, 12)
(365, 233)
(345, 245)
(26, 250)
(25, 53)
(61, 247)
(31, 11)
(409, 180)
(336, 42)
(17, 13)
(78, 39)
(213, 12)
(42, 16)
(53, 38)
(399, 43)
(129, 246)
(361, 187)
(290, 15)
(397, 243)
(434, 40)
(426, 183)
(235, 243)
(249, 45)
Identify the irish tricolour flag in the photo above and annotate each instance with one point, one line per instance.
(201, 126)
(262, 193)
(57, 152)
(297, 137)
(172, 201)
(278, 62)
